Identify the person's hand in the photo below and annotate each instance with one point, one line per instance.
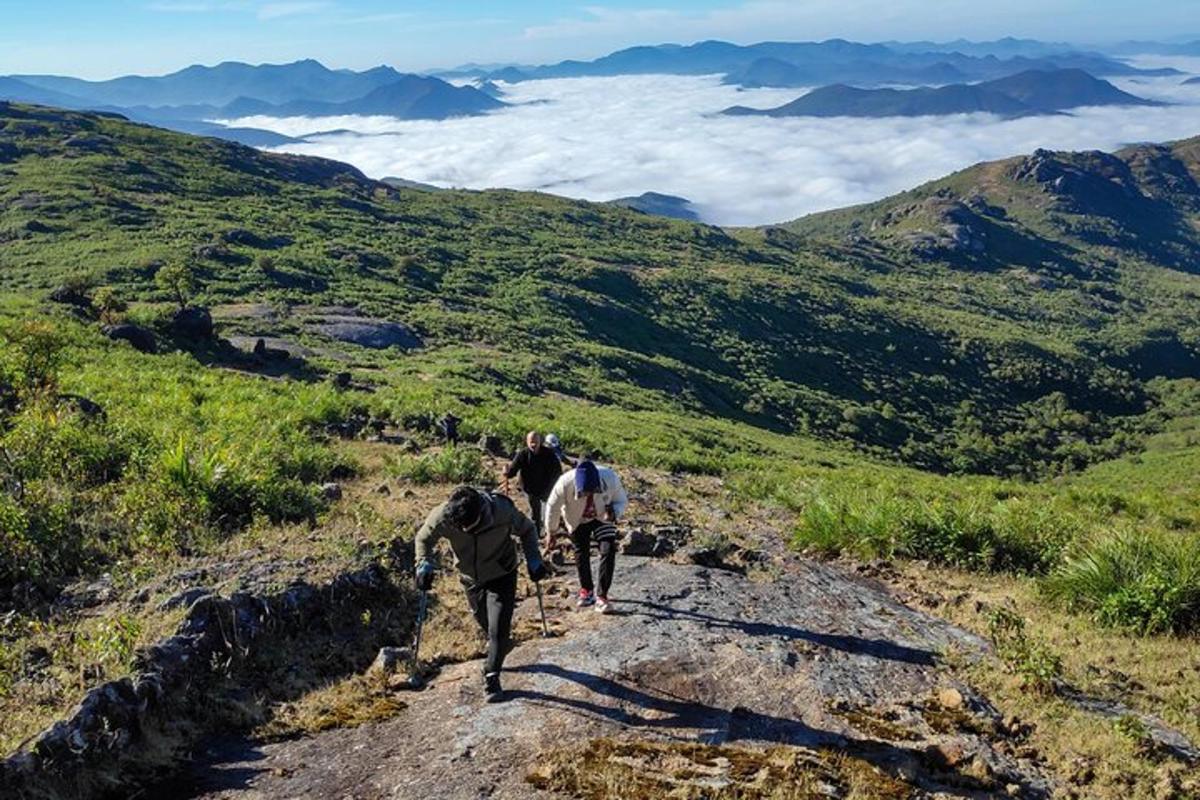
(538, 571)
(424, 576)
(609, 516)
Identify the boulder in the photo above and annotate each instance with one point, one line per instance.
(68, 295)
(245, 238)
(141, 339)
(492, 445)
(645, 543)
(390, 661)
(376, 334)
(193, 322)
(218, 251)
(264, 353)
(185, 598)
(86, 406)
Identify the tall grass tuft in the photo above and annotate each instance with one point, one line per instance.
(976, 532)
(1141, 581)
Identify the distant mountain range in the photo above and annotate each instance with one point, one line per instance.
(1026, 94)
(224, 83)
(1191, 81)
(794, 64)
(187, 100)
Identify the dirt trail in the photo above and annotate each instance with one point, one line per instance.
(817, 659)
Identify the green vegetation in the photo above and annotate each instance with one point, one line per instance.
(1038, 666)
(170, 456)
(450, 465)
(994, 372)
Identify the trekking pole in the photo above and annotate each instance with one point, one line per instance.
(542, 609)
(414, 677)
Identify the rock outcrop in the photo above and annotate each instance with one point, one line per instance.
(141, 338)
(820, 663)
(124, 728)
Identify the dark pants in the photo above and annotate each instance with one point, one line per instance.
(605, 536)
(536, 504)
(492, 604)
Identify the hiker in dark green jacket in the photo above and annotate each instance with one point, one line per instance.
(480, 527)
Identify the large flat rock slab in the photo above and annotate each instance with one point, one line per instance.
(816, 659)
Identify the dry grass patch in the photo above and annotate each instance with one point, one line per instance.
(1093, 756)
(345, 704)
(606, 769)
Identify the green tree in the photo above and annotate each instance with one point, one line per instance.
(32, 358)
(110, 305)
(179, 280)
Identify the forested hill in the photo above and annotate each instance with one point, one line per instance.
(1013, 317)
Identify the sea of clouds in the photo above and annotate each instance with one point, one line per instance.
(602, 138)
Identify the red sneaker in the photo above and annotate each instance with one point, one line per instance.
(602, 604)
(586, 598)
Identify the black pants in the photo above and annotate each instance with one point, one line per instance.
(536, 503)
(492, 604)
(605, 536)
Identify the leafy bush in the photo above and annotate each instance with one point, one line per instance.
(1141, 581)
(34, 350)
(1039, 667)
(450, 465)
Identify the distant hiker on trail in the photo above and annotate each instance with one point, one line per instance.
(449, 427)
(590, 500)
(539, 469)
(480, 527)
(556, 446)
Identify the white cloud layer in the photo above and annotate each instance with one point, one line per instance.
(601, 138)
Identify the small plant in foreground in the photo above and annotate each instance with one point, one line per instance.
(1039, 667)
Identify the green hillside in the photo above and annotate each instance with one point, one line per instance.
(1025, 319)
(878, 346)
(988, 384)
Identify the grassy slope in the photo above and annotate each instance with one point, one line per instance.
(874, 347)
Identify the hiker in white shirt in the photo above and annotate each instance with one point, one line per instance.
(589, 500)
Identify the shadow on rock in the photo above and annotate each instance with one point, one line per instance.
(873, 648)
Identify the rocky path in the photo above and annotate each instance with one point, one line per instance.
(816, 660)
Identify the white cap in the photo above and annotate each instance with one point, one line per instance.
(552, 440)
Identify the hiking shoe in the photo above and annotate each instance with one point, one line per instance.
(586, 599)
(602, 604)
(491, 686)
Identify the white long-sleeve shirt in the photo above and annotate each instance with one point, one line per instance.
(566, 503)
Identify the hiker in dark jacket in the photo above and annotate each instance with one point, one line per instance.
(480, 527)
(539, 469)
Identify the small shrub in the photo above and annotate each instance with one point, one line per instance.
(31, 361)
(179, 281)
(109, 305)
(114, 642)
(1039, 667)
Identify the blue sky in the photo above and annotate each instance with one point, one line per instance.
(97, 39)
